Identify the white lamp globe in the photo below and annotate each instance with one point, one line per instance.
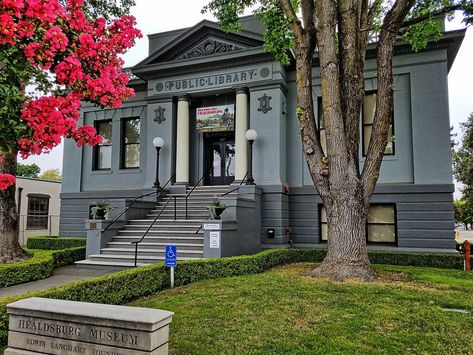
(251, 135)
(158, 142)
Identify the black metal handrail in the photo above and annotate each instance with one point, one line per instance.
(188, 194)
(149, 228)
(226, 193)
(157, 192)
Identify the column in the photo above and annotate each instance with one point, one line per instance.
(241, 126)
(182, 141)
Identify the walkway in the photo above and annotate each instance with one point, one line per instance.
(62, 275)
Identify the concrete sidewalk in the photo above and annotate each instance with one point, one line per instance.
(62, 275)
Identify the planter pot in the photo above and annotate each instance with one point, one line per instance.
(100, 214)
(219, 211)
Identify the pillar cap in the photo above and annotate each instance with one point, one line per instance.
(184, 97)
(242, 90)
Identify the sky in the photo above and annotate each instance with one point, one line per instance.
(152, 16)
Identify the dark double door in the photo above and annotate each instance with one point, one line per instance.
(220, 160)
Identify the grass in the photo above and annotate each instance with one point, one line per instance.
(283, 312)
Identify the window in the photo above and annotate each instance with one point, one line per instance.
(368, 111)
(369, 108)
(103, 151)
(380, 226)
(131, 143)
(38, 211)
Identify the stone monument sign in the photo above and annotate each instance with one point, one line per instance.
(49, 326)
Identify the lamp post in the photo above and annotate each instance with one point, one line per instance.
(158, 143)
(250, 136)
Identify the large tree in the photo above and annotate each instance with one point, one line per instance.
(337, 34)
(66, 57)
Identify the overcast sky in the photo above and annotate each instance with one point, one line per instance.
(152, 16)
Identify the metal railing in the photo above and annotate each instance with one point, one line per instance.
(158, 194)
(186, 196)
(149, 228)
(226, 193)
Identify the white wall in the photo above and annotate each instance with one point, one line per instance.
(36, 186)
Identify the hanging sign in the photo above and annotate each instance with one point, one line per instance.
(215, 118)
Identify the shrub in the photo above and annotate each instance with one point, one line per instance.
(54, 243)
(126, 285)
(40, 266)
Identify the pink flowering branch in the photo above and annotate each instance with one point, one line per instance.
(82, 55)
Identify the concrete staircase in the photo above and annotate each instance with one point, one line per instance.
(182, 232)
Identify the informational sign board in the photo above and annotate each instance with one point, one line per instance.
(170, 259)
(214, 240)
(215, 118)
(211, 226)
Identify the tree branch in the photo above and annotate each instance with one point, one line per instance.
(295, 22)
(422, 18)
(307, 9)
(385, 98)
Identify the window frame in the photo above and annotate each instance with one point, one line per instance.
(96, 150)
(123, 144)
(363, 125)
(395, 243)
(29, 214)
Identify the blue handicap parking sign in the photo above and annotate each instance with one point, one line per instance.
(170, 257)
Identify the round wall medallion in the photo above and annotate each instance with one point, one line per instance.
(264, 72)
(159, 86)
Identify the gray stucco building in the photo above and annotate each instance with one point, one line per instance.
(194, 76)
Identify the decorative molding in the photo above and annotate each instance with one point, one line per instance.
(159, 115)
(208, 47)
(264, 104)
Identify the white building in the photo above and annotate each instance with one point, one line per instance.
(38, 206)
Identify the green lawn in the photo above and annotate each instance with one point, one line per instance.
(283, 312)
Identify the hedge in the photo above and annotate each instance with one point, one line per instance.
(40, 266)
(54, 243)
(123, 286)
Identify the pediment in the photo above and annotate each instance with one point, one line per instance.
(204, 40)
(210, 46)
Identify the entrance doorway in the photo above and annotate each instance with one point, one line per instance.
(220, 159)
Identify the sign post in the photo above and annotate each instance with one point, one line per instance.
(170, 260)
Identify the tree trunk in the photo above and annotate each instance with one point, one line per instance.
(347, 255)
(10, 249)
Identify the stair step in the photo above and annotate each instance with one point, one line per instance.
(197, 239)
(92, 264)
(167, 233)
(143, 252)
(130, 246)
(166, 221)
(191, 227)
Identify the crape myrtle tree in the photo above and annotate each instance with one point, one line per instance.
(337, 33)
(67, 56)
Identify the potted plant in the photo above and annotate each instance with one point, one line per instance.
(99, 210)
(216, 208)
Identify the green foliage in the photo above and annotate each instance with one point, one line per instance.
(40, 266)
(51, 175)
(126, 285)
(421, 33)
(27, 170)
(463, 161)
(463, 211)
(279, 38)
(54, 243)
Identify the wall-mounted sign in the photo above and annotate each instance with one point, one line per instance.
(214, 240)
(215, 118)
(210, 80)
